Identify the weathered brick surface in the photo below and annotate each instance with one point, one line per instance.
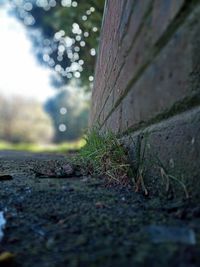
(114, 121)
(140, 28)
(108, 47)
(140, 10)
(168, 74)
(148, 80)
(164, 12)
(166, 81)
(112, 53)
(141, 53)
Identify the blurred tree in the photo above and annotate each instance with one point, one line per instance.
(69, 111)
(68, 34)
(23, 120)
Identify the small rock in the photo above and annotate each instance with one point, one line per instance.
(56, 171)
(67, 169)
(99, 205)
(162, 234)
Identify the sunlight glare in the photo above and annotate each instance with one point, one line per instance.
(20, 73)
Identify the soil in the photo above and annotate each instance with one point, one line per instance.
(77, 221)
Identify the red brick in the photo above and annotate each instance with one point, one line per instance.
(114, 121)
(166, 81)
(126, 58)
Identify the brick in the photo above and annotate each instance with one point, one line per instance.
(137, 57)
(109, 105)
(167, 75)
(136, 21)
(147, 63)
(109, 46)
(141, 51)
(109, 41)
(164, 11)
(126, 15)
(113, 66)
(114, 121)
(166, 81)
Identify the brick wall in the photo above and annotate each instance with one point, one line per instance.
(147, 77)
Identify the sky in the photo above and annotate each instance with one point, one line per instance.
(20, 72)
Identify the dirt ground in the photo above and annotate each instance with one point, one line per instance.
(77, 221)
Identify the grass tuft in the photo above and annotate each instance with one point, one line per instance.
(105, 156)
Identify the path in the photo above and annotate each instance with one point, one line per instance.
(78, 222)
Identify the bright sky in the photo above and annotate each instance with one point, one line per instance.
(19, 71)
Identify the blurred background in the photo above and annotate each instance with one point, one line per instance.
(48, 51)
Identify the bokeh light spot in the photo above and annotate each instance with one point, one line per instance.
(66, 3)
(77, 74)
(92, 52)
(74, 4)
(94, 29)
(84, 17)
(63, 111)
(91, 78)
(62, 127)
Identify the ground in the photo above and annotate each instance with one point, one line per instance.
(78, 221)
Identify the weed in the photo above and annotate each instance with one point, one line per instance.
(104, 155)
(166, 176)
(153, 161)
(140, 163)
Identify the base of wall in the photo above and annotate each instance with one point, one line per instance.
(174, 144)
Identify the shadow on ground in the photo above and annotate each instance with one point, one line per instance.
(78, 222)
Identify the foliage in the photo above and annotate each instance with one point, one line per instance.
(168, 178)
(63, 147)
(76, 117)
(65, 34)
(23, 120)
(140, 168)
(105, 156)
